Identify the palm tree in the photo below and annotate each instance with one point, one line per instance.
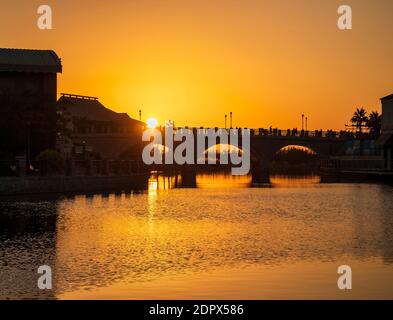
(359, 118)
(374, 123)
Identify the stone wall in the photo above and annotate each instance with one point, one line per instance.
(77, 184)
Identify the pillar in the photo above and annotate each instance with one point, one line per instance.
(188, 177)
(260, 171)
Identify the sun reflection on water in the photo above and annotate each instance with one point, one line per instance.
(285, 180)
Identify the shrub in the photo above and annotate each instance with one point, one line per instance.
(51, 162)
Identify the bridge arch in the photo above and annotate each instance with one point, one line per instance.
(160, 148)
(297, 147)
(225, 149)
(314, 149)
(295, 155)
(267, 149)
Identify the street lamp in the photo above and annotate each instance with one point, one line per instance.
(226, 121)
(231, 118)
(28, 144)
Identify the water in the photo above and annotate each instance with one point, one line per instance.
(223, 240)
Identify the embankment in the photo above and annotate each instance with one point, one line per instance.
(73, 184)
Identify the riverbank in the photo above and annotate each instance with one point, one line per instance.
(74, 184)
(357, 175)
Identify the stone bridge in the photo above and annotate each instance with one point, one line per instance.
(264, 146)
(264, 149)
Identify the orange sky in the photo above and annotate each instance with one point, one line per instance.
(193, 61)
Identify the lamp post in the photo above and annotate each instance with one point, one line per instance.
(140, 115)
(226, 121)
(231, 119)
(306, 123)
(28, 145)
(302, 122)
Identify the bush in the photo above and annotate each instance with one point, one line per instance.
(51, 162)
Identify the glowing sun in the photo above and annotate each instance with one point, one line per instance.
(152, 123)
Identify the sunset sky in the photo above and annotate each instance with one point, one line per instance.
(267, 61)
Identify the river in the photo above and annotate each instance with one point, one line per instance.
(221, 240)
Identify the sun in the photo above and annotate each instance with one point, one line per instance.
(152, 123)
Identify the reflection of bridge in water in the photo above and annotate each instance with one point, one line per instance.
(264, 145)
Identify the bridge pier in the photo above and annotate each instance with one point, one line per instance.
(188, 177)
(260, 172)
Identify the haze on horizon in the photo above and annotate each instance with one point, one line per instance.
(194, 61)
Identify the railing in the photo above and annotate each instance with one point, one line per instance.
(354, 164)
(275, 132)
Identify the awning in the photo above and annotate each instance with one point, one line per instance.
(384, 139)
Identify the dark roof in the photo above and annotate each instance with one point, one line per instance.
(389, 97)
(90, 108)
(23, 60)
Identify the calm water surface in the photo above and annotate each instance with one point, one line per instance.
(223, 240)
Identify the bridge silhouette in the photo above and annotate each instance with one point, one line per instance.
(264, 145)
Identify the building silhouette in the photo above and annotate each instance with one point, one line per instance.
(28, 93)
(95, 131)
(386, 139)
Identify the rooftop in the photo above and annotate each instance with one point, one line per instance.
(90, 108)
(389, 97)
(24, 60)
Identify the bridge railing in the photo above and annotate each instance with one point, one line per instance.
(275, 132)
(354, 164)
(330, 134)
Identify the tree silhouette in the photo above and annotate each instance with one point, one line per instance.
(374, 123)
(359, 119)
